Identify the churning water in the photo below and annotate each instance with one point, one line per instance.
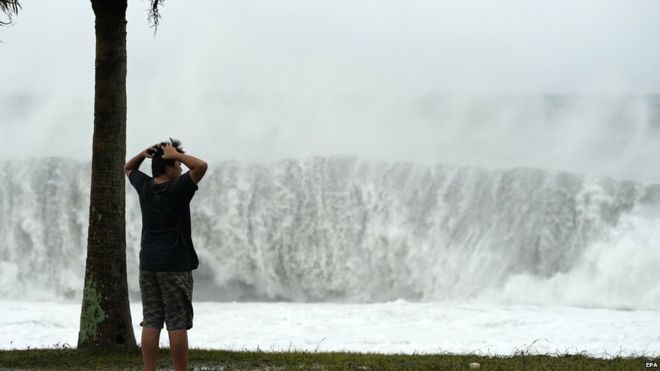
(343, 229)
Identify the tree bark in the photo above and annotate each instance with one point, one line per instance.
(105, 319)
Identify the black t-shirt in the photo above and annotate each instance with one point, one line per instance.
(166, 234)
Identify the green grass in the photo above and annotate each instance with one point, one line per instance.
(64, 358)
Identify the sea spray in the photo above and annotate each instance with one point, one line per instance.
(352, 230)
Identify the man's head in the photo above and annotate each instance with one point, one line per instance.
(159, 166)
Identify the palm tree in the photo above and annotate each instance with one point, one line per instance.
(105, 319)
(10, 8)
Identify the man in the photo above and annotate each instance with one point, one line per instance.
(167, 255)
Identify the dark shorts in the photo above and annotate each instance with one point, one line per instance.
(166, 297)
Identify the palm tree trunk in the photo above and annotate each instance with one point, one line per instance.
(105, 319)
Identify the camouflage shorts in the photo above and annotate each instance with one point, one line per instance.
(166, 297)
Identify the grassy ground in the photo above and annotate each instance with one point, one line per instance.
(73, 359)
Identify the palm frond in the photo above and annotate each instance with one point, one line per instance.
(154, 13)
(10, 8)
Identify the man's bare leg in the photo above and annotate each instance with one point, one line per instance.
(150, 339)
(179, 348)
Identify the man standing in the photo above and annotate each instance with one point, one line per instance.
(167, 255)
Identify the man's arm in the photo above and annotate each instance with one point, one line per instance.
(135, 162)
(197, 167)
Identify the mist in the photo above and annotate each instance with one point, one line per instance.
(553, 85)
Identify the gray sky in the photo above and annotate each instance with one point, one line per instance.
(262, 80)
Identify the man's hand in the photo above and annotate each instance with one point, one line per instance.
(151, 151)
(169, 152)
(134, 163)
(197, 167)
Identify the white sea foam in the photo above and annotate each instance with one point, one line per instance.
(393, 327)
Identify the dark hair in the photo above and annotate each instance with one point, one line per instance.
(158, 164)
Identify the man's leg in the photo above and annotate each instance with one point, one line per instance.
(153, 316)
(150, 339)
(177, 295)
(179, 348)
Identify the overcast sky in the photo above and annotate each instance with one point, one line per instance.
(262, 80)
